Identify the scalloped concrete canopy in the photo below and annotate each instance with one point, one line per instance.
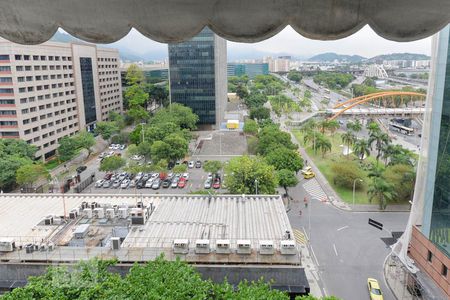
(106, 21)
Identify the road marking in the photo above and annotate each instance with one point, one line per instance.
(314, 255)
(313, 188)
(300, 237)
(342, 228)
(335, 251)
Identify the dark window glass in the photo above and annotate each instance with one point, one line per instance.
(87, 82)
(192, 75)
(4, 57)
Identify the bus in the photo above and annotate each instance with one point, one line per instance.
(402, 129)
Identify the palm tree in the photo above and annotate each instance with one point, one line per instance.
(323, 143)
(381, 140)
(357, 126)
(331, 125)
(348, 138)
(372, 127)
(311, 124)
(361, 148)
(380, 190)
(376, 171)
(310, 137)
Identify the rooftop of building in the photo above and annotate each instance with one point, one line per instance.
(191, 226)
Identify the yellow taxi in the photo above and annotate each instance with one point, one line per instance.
(308, 173)
(374, 289)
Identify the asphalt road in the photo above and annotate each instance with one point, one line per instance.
(347, 249)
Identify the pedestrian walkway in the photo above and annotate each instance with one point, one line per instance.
(300, 237)
(313, 188)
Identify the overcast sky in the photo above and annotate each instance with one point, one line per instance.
(365, 43)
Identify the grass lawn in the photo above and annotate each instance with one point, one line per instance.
(324, 165)
(50, 165)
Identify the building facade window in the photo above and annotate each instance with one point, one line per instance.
(87, 82)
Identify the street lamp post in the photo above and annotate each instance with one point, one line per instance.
(256, 186)
(354, 184)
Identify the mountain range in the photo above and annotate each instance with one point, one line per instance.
(159, 52)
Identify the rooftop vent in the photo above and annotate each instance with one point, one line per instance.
(244, 247)
(266, 247)
(181, 246)
(202, 246)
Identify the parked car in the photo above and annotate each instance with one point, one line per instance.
(198, 164)
(216, 184)
(210, 176)
(108, 176)
(149, 183)
(81, 169)
(133, 183)
(191, 164)
(103, 154)
(185, 176)
(112, 146)
(171, 165)
(141, 184)
(155, 175)
(122, 147)
(125, 184)
(99, 183)
(182, 183)
(166, 183)
(175, 182)
(145, 177)
(156, 184)
(106, 184)
(139, 176)
(116, 183)
(207, 184)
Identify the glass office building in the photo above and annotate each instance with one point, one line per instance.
(87, 81)
(250, 69)
(198, 76)
(430, 242)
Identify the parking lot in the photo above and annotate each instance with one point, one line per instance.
(195, 182)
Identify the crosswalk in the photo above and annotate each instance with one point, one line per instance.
(313, 188)
(300, 237)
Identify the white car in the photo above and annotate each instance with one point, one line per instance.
(210, 176)
(112, 146)
(122, 147)
(99, 183)
(185, 176)
(191, 164)
(125, 184)
(149, 183)
(207, 184)
(139, 176)
(155, 175)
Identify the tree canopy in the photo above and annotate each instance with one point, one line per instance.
(245, 174)
(283, 158)
(212, 166)
(112, 163)
(31, 173)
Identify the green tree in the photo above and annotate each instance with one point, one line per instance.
(9, 164)
(212, 166)
(295, 76)
(307, 94)
(282, 158)
(112, 163)
(241, 91)
(381, 140)
(67, 148)
(138, 114)
(361, 148)
(286, 178)
(145, 149)
(251, 127)
(245, 174)
(349, 139)
(260, 113)
(255, 100)
(356, 126)
(323, 144)
(178, 147)
(29, 174)
(372, 127)
(132, 150)
(381, 191)
(181, 168)
(85, 140)
(328, 125)
(402, 177)
(345, 174)
(159, 150)
(17, 147)
(134, 75)
(271, 137)
(117, 118)
(136, 96)
(106, 129)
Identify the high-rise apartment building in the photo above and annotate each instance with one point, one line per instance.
(250, 69)
(198, 75)
(430, 241)
(54, 90)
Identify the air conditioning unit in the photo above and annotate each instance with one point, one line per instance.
(29, 248)
(202, 246)
(244, 247)
(51, 246)
(181, 246)
(73, 214)
(287, 247)
(81, 231)
(84, 205)
(48, 220)
(123, 212)
(115, 243)
(110, 213)
(88, 212)
(266, 247)
(94, 205)
(223, 246)
(140, 204)
(100, 212)
(7, 245)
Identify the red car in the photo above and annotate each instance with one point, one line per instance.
(182, 183)
(216, 184)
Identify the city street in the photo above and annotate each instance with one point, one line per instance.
(346, 248)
